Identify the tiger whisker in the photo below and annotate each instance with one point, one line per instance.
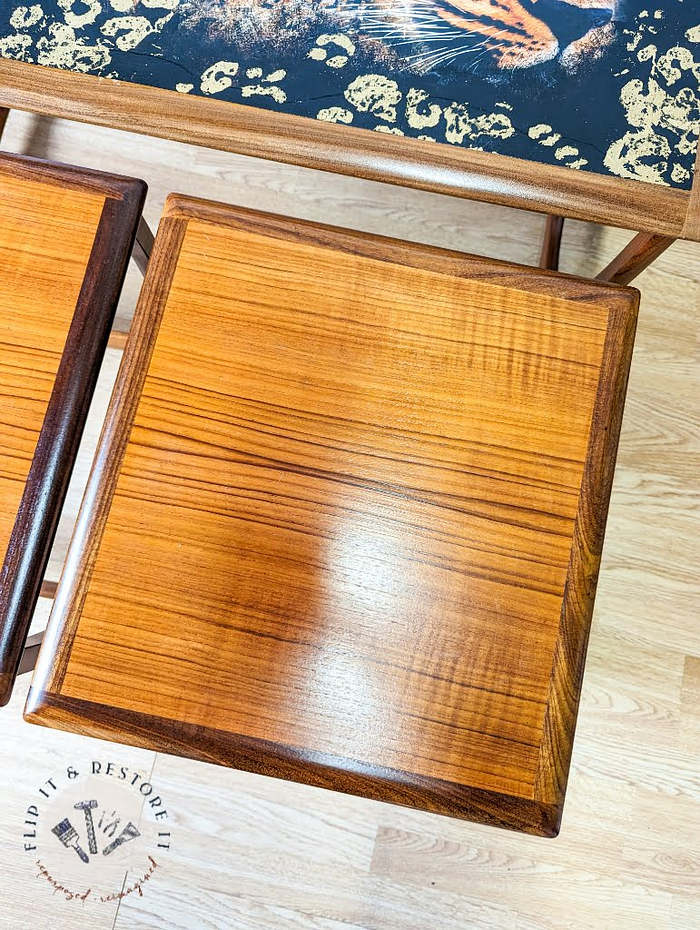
(417, 28)
(435, 57)
(412, 42)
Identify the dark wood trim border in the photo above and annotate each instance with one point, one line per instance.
(582, 577)
(319, 769)
(297, 140)
(37, 519)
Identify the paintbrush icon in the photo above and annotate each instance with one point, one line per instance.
(66, 833)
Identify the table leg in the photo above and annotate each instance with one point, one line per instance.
(4, 113)
(635, 257)
(143, 245)
(48, 589)
(30, 653)
(551, 243)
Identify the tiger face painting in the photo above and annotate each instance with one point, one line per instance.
(422, 36)
(501, 34)
(609, 87)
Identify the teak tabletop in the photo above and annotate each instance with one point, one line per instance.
(65, 239)
(581, 108)
(345, 519)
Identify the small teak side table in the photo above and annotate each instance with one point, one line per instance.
(346, 517)
(65, 238)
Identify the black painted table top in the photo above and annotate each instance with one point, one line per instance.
(606, 86)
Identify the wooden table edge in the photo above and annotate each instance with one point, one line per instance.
(35, 526)
(73, 177)
(566, 679)
(283, 137)
(277, 760)
(691, 227)
(498, 272)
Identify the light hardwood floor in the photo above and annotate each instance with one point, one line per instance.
(258, 854)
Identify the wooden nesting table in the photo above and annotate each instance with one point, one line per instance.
(584, 109)
(346, 517)
(65, 239)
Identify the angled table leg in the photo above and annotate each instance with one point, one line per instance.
(48, 589)
(4, 113)
(143, 245)
(644, 249)
(30, 653)
(141, 252)
(551, 243)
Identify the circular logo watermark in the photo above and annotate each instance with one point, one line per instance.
(97, 832)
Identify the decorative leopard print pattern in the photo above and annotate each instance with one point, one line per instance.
(609, 86)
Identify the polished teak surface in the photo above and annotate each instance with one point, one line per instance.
(346, 516)
(65, 238)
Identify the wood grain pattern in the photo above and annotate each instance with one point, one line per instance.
(65, 237)
(348, 150)
(346, 487)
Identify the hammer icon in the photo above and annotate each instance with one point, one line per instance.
(87, 807)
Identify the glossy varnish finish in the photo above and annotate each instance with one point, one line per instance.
(346, 516)
(65, 238)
